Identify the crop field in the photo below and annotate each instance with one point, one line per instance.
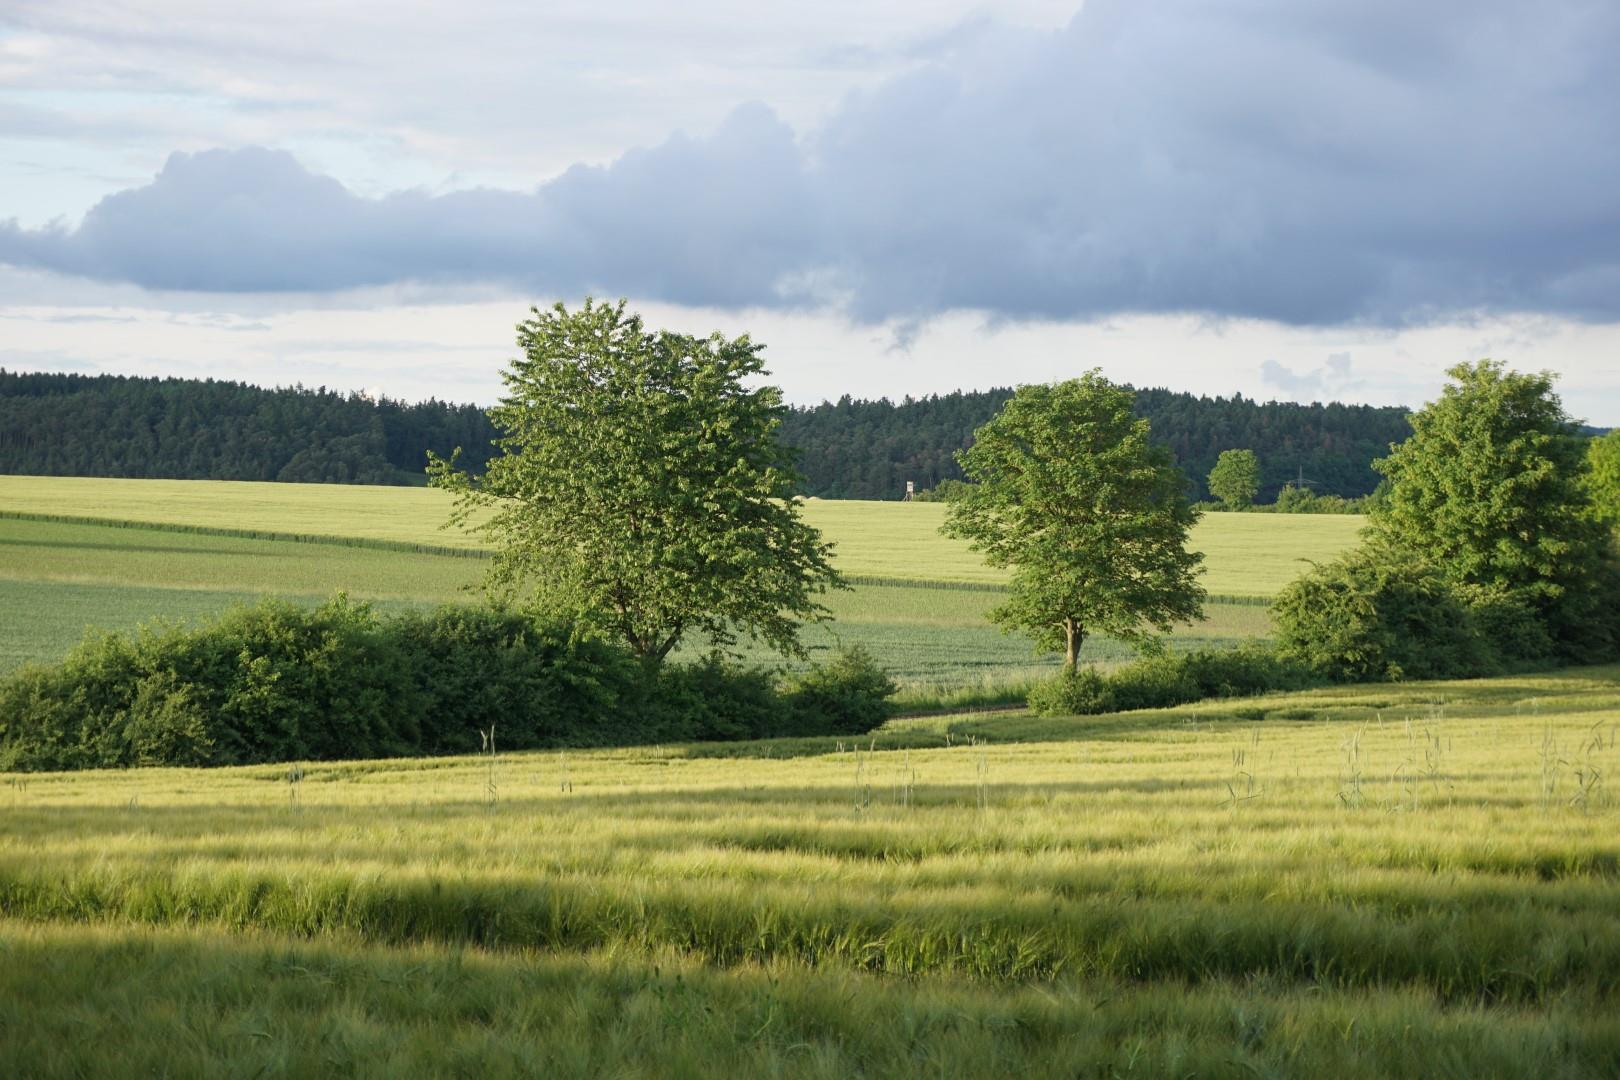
(58, 577)
(1418, 879)
(1246, 555)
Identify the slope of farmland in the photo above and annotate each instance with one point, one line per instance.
(1247, 555)
(59, 577)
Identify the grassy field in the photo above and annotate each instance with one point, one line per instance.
(1250, 555)
(58, 577)
(1412, 880)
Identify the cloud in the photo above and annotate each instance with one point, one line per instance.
(1328, 382)
(1309, 164)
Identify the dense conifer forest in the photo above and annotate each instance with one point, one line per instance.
(204, 429)
(106, 425)
(855, 449)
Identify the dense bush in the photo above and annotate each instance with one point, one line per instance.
(537, 684)
(1251, 668)
(1078, 691)
(1153, 682)
(714, 698)
(278, 682)
(266, 683)
(848, 695)
(1371, 616)
(1163, 681)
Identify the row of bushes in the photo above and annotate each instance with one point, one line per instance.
(1169, 679)
(278, 682)
(1300, 500)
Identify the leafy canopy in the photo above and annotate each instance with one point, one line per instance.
(1603, 481)
(1490, 488)
(641, 488)
(1235, 479)
(1068, 490)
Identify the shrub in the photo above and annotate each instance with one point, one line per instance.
(1154, 682)
(1508, 625)
(848, 695)
(713, 698)
(538, 683)
(1072, 692)
(1251, 668)
(1370, 616)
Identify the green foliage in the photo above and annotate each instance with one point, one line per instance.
(209, 429)
(944, 491)
(1374, 615)
(714, 697)
(271, 682)
(111, 425)
(1076, 691)
(1168, 679)
(539, 684)
(278, 682)
(1490, 491)
(1242, 671)
(859, 449)
(1070, 492)
(848, 695)
(1603, 477)
(1300, 500)
(1235, 479)
(641, 488)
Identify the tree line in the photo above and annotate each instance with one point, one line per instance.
(207, 429)
(107, 425)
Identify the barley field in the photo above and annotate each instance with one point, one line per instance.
(1398, 880)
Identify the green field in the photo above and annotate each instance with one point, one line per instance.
(1412, 879)
(1399, 880)
(58, 578)
(1249, 555)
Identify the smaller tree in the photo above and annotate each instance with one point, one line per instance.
(1068, 490)
(1235, 479)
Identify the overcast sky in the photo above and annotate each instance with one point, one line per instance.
(1302, 201)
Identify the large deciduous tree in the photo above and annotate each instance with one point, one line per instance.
(1235, 479)
(641, 488)
(1491, 490)
(1069, 491)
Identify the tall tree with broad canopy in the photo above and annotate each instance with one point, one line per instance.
(1068, 490)
(641, 489)
(1493, 490)
(1235, 479)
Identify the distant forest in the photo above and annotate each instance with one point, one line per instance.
(108, 425)
(203, 429)
(855, 449)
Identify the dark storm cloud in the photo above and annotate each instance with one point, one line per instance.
(1307, 163)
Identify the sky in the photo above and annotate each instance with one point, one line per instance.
(1325, 201)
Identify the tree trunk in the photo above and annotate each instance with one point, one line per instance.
(1073, 635)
